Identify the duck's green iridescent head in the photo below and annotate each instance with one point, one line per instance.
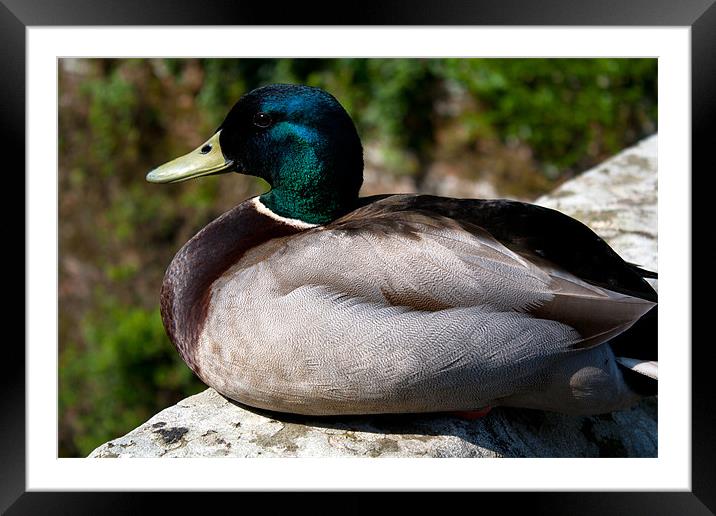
(298, 139)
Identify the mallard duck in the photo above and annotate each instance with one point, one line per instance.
(310, 299)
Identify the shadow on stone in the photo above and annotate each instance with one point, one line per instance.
(508, 432)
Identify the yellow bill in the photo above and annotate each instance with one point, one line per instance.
(205, 160)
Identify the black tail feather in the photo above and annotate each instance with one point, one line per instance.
(643, 272)
(639, 383)
(639, 342)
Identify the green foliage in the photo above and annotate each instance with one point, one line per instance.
(571, 112)
(112, 102)
(126, 371)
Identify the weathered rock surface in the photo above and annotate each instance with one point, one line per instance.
(618, 200)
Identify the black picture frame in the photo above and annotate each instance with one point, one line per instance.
(700, 15)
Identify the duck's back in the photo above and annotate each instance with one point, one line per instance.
(417, 303)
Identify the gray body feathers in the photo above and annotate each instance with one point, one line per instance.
(387, 312)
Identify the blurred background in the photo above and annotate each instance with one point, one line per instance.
(456, 127)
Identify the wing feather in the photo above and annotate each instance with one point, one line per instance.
(388, 307)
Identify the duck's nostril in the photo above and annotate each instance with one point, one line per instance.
(206, 148)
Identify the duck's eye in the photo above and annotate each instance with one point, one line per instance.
(262, 119)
